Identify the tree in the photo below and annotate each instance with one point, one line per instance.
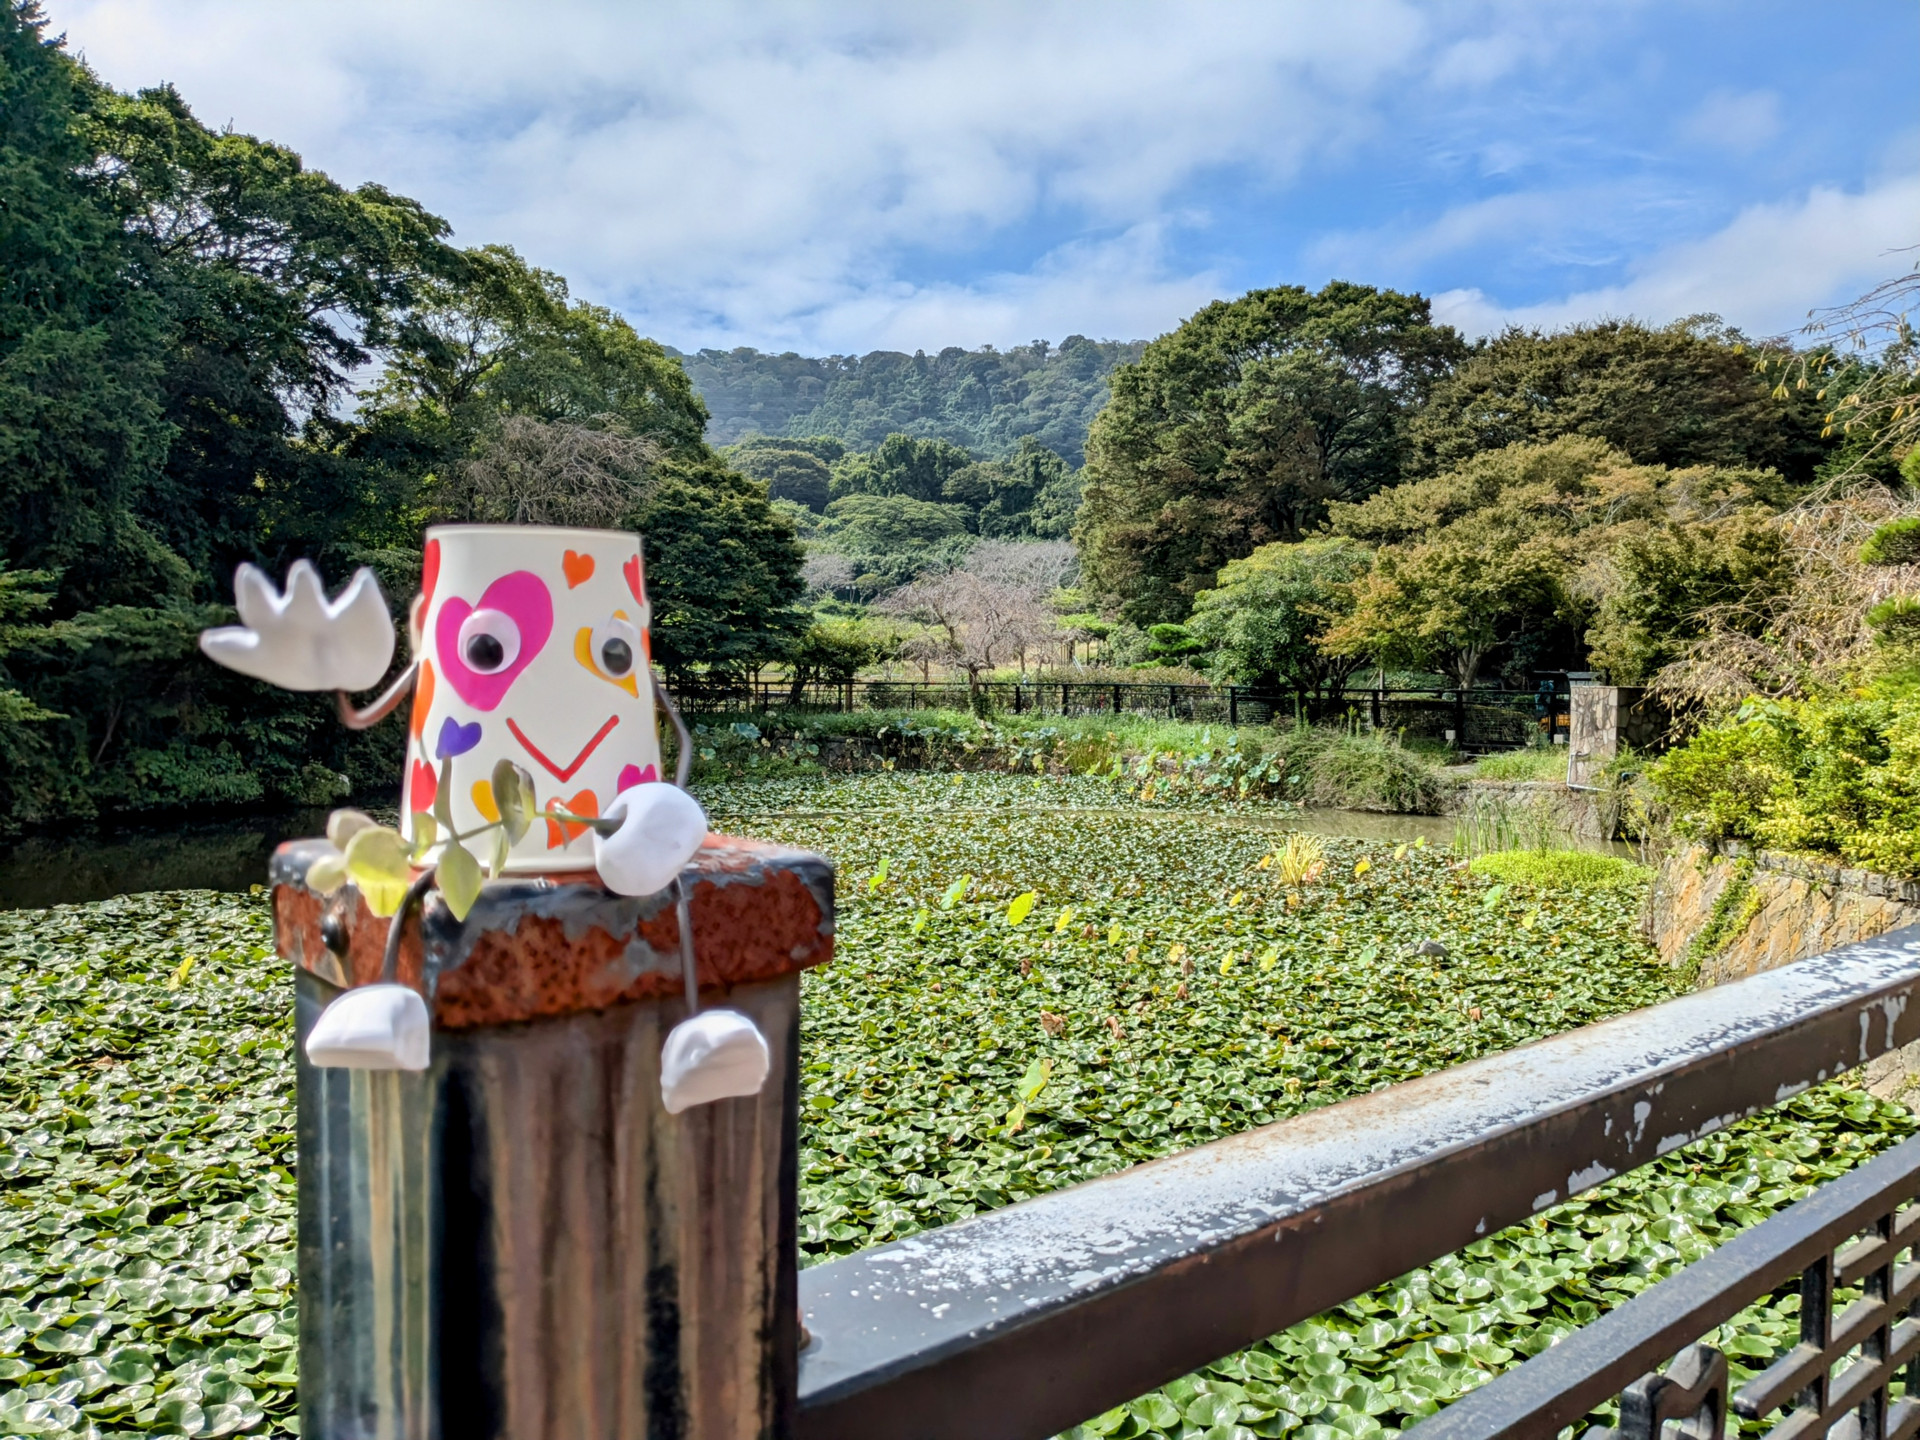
(1237, 430)
(901, 465)
(890, 539)
(1266, 622)
(497, 336)
(1663, 585)
(723, 571)
(1006, 496)
(974, 623)
(82, 332)
(1485, 558)
(788, 472)
(549, 472)
(1691, 393)
(835, 650)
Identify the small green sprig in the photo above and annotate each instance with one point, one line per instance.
(378, 859)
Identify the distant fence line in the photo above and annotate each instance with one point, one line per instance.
(1477, 719)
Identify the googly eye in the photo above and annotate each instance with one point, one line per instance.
(489, 641)
(615, 647)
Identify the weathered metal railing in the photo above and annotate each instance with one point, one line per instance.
(1872, 1338)
(1026, 1320)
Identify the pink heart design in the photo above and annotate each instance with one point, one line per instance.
(632, 775)
(523, 598)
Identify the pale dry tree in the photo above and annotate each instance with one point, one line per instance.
(1815, 632)
(549, 472)
(973, 623)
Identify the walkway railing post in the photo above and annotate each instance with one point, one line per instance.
(1233, 704)
(521, 1242)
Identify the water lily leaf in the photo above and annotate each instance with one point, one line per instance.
(1021, 907)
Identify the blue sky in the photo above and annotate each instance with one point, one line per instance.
(843, 177)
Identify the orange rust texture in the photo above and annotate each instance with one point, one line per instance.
(744, 932)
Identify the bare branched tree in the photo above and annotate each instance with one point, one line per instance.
(540, 472)
(1813, 634)
(1037, 566)
(825, 572)
(974, 623)
(1867, 356)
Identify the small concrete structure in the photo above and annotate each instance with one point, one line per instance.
(519, 1241)
(1602, 718)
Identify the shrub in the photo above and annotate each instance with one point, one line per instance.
(1339, 769)
(1836, 776)
(1560, 869)
(1896, 621)
(1895, 543)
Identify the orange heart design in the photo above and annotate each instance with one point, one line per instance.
(579, 568)
(422, 699)
(429, 573)
(483, 801)
(565, 832)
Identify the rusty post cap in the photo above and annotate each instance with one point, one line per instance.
(536, 946)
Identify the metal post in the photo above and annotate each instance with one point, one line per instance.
(520, 1242)
(1233, 704)
(1116, 699)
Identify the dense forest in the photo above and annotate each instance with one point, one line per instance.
(182, 311)
(986, 401)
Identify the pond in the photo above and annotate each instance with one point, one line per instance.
(230, 854)
(227, 854)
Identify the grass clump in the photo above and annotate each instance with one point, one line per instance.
(1560, 869)
(1338, 769)
(1535, 762)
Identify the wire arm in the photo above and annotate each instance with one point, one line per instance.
(379, 710)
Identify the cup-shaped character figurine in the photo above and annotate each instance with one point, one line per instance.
(534, 648)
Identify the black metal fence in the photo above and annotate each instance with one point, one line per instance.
(1860, 1216)
(1477, 719)
(1025, 1320)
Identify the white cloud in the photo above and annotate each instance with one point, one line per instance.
(1762, 272)
(748, 171)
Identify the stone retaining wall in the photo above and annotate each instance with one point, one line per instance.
(1726, 912)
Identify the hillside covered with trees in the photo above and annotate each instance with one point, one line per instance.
(986, 400)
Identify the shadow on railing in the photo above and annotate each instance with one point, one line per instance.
(1026, 1320)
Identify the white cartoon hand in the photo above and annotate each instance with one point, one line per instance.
(301, 640)
(661, 826)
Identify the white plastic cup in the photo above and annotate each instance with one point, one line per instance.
(535, 648)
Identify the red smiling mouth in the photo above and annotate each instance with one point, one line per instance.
(564, 775)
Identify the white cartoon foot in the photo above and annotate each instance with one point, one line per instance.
(661, 826)
(374, 1027)
(300, 640)
(714, 1055)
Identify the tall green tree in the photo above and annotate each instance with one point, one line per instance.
(1238, 429)
(1266, 622)
(83, 332)
(1691, 393)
